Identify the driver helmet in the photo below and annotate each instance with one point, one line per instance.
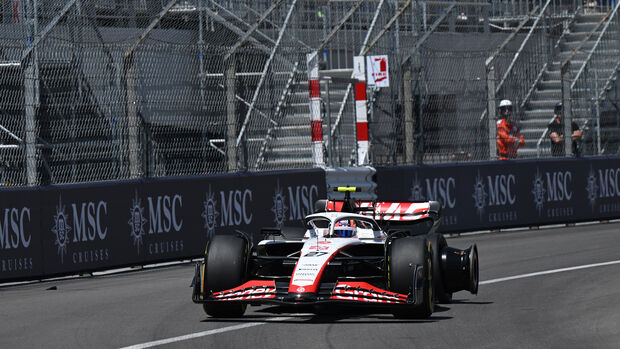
(505, 108)
(345, 229)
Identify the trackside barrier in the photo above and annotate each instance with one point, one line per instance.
(361, 177)
(60, 230)
(506, 194)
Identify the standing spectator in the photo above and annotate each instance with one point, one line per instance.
(556, 133)
(509, 138)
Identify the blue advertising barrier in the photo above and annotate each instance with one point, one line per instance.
(60, 230)
(506, 194)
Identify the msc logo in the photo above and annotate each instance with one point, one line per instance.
(137, 222)
(163, 216)
(538, 190)
(500, 190)
(300, 201)
(497, 191)
(61, 229)
(86, 226)
(553, 186)
(592, 188)
(279, 207)
(442, 189)
(209, 213)
(416, 190)
(605, 185)
(12, 232)
(608, 182)
(235, 208)
(480, 195)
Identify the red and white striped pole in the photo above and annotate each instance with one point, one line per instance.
(316, 125)
(361, 112)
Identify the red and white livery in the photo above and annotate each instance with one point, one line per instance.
(368, 253)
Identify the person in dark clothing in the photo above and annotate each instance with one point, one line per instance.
(556, 133)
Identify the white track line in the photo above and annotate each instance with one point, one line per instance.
(253, 324)
(522, 276)
(202, 334)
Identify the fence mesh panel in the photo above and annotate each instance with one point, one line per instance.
(108, 90)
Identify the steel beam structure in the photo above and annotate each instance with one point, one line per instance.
(350, 85)
(252, 29)
(233, 15)
(231, 116)
(275, 25)
(279, 107)
(567, 110)
(338, 26)
(491, 108)
(43, 34)
(386, 27)
(428, 33)
(264, 73)
(134, 122)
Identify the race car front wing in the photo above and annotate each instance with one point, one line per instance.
(275, 292)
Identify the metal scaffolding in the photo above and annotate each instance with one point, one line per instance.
(117, 90)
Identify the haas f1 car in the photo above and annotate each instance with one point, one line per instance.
(355, 252)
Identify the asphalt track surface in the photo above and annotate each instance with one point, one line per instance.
(548, 288)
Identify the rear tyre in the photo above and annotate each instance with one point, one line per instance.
(405, 254)
(225, 268)
(438, 242)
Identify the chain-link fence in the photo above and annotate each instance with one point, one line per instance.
(117, 89)
(593, 107)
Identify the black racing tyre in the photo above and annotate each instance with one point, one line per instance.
(438, 242)
(404, 254)
(225, 268)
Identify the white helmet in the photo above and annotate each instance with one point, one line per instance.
(505, 103)
(505, 108)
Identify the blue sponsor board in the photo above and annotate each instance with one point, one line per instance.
(20, 243)
(509, 193)
(57, 230)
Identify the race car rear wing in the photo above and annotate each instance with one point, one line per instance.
(384, 212)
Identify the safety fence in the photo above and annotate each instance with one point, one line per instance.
(112, 90)
(590, 84)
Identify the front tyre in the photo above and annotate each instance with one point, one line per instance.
(225, 268)
(405, 254)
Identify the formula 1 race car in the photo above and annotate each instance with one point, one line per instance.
(355, 252)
